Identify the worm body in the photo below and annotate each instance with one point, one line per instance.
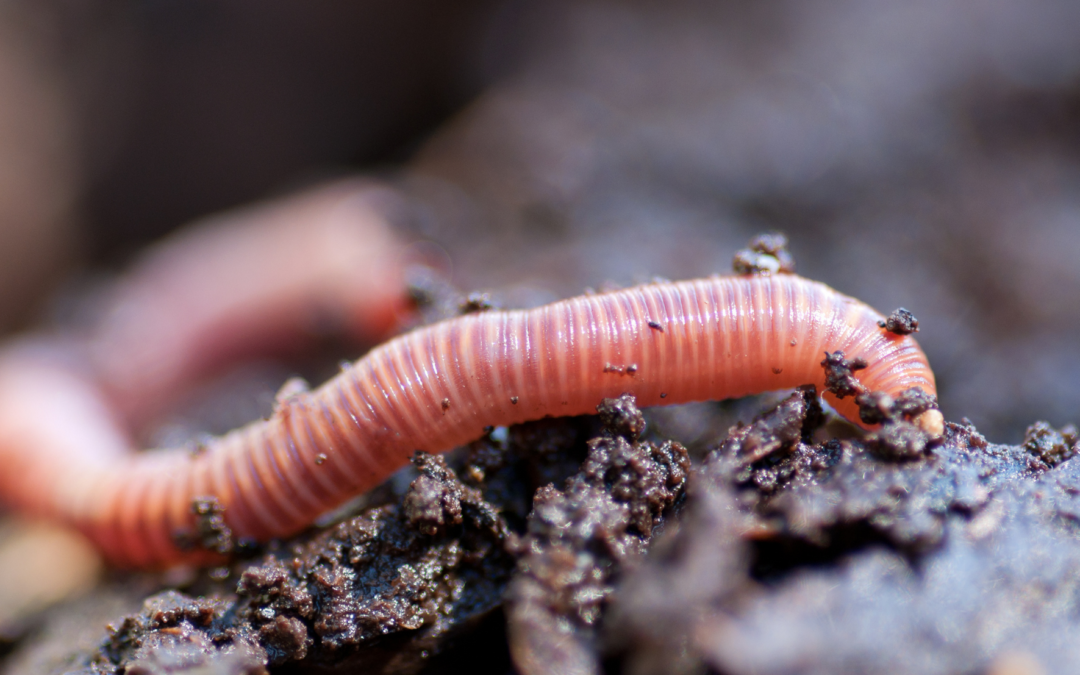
(257, 280)
(432, 389)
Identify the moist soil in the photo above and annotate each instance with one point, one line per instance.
(593, 545)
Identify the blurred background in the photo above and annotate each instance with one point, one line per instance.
(923, 154)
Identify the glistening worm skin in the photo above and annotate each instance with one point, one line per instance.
(439, 386)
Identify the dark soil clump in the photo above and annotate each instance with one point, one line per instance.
(1049, 446)
(840, 374)
(580, 537)
(901, 322)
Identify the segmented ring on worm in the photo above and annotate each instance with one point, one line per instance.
(440, 386)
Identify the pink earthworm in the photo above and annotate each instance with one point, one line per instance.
(431, 389)
(253, 281)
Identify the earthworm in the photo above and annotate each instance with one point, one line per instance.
(252, 281)
(431, 389)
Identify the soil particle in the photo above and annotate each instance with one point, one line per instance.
(878, 407)
(790, 422)
(900, 322)
(621, 417)
(1048, 445)
(578, 539)
(475, 302)
(211, 531)
(840, 374)
(898, 441)
(285, 636)
(436, 499)
(435, 298)
(766, 254)
(897, 438)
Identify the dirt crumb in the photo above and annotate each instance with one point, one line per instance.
(898, 441)
(840, 374)
(211, 532)
(878, 407)
(792, 421)
(766, 254)
(900, 322)
(1048, 445)
(630, 369)
(436, 499)
(475, 302)
(621, 417)
(897, 438)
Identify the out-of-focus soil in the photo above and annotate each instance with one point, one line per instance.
(920, 155)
